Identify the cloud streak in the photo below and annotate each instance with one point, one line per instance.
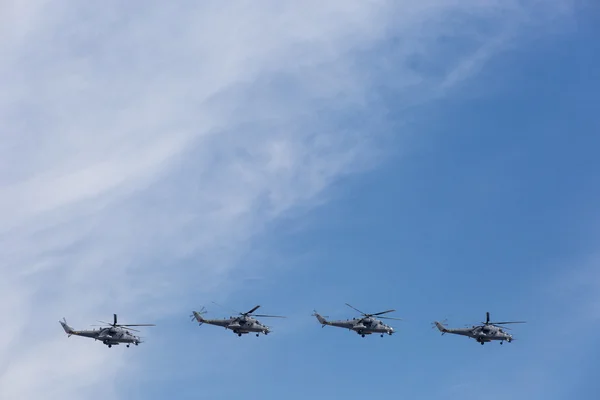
(143, 147)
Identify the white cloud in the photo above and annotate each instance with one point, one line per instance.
(140, 141)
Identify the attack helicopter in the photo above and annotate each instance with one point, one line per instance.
(484, 333)
(240, 325)
(366, 325)
(109, 334)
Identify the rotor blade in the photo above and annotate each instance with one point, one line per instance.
(201, 312)
(487, 317)
(383, 312)
(315, 314)
(397, 319)
(251, 311)
(355, 309)
(106, 323)
(127, 328)
(270, 316)
(504, 327)
(115, 317)
(136, 325)
(507, 322)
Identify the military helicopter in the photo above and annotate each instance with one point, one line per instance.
(109, 334)
(362, 326)
(484, 333)
(241, 325)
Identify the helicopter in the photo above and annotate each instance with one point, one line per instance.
(109, 334)
(484, 333)
(363, 326)
(240, 325)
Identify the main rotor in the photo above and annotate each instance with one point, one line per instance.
(250, 313)
(126, 326)
(499, 324)
(375, 314)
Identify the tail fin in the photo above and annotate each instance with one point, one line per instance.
(441, 327)
(321, 319)
(198, 316)
(68, 330)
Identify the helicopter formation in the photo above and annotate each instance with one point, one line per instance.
(112, 334)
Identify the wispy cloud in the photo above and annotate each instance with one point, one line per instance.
(143, 146)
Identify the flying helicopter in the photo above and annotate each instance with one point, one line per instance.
(240, 325)
(365, 325)
(109, 334)
(484, 333)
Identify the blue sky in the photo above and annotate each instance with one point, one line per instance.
(436, 158)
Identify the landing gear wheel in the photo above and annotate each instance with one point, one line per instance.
(362, 335)
(109, 346)
(382, 335)
(257, 335)
(127, 345)
(481, 343)
(239, 334)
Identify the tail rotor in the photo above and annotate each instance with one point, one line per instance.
(68, 330)
(441, 326)
(444, 322)
(197, 316)
(322, 318)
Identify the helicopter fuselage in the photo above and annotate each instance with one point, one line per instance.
(109, 336)
(362, 326)
(489, 333)
(239, 326)
(482, 334)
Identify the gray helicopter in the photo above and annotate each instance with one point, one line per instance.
(366, 325)
(484, 333)
(109, 334)
(240, 325)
